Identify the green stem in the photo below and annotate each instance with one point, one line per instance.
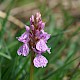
(32, 67)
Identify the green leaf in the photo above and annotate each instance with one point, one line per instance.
(4, 55)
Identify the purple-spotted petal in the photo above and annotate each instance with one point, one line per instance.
(40, 61)
(44, 36)
(23, 50)
(20, 50)
(41, 46)
(24, 37)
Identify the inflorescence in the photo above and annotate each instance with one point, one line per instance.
(35, 38)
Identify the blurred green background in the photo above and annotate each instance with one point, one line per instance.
(62, 19)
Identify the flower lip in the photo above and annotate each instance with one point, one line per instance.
(24, 37)
(40, 61)
(41, 46)
(23, 50)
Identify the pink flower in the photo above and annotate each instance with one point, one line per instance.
(24, 37)
(40, 61)
(35, 38)
(41, 46)
(23, 50)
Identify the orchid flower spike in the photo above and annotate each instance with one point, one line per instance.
(35, 38)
